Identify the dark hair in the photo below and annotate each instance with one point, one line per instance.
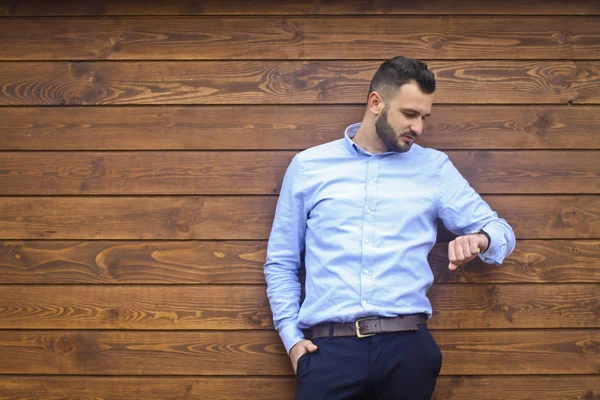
(397, 71)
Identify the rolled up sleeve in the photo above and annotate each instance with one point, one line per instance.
(463, 211)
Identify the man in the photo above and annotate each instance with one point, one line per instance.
(361, 212)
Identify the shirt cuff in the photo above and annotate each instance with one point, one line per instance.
(497, 250)
(290, 335)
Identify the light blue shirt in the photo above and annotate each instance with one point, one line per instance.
(364, 224)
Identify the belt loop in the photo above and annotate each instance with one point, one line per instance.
(330, 331)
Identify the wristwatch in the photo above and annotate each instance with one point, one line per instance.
(484, 233)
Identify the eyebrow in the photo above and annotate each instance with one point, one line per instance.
(410, 110)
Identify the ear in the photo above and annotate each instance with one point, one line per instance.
(375, 103)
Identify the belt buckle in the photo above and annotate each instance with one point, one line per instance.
(357, 326)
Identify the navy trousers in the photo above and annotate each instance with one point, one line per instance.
(399, 365)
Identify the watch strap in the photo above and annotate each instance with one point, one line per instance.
(484, 233)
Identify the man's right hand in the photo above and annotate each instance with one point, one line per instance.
(300, 348)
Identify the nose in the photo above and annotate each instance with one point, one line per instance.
(417, 127)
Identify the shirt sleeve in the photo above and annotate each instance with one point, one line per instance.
(284, 255)
(463, 211)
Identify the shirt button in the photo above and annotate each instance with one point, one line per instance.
(366, 240)
(368, 211)
(372, 182)
(366, 271)
(365, 302)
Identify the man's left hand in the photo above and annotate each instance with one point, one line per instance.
(465, 248)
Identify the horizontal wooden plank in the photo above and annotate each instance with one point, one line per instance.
(275, 388)
(161, 388)
(192, 217)
(247, 307)
(292, 7)
(204, 127)
(241, 262)
(516, 387)
(530, 172)
(287, 82)
(519, 352)
(177, 262)
(551, 217)
(217, 38)
(515, 306)
(286, 127)
(143, 172)
(135, 307)
(239, 217)
(176, 173)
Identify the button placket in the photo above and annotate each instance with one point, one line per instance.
(366, 277)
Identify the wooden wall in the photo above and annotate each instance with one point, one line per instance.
(143, 143)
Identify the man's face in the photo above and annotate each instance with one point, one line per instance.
(403, 116)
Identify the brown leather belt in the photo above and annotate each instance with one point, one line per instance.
(365, 327)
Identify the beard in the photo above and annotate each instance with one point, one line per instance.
(388, 136)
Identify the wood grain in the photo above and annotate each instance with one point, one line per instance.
(286, 127)
(137, 217)
(275, 388)
(477, 306)
(157, 388)
(292, 7)
(293, 38)
(287, 82)
(518, 352)
(247, 307)
(197, 127)
(143, 172)
(511, 127)
(241, 262)
(534, 352)
(539, 172)
(551, 217)
(517, 388)
(135, 307)
(250, 218)
(180, 173)
(176, 262)
(205, 127)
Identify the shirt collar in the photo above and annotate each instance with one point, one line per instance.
(349, 133)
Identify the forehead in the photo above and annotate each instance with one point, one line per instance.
(410, 96)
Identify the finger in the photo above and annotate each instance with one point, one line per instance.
(452, 256)
(311, 347)
(460, 256)
(467, 249)
(451, 252)
(305, 345)
(474, 245)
